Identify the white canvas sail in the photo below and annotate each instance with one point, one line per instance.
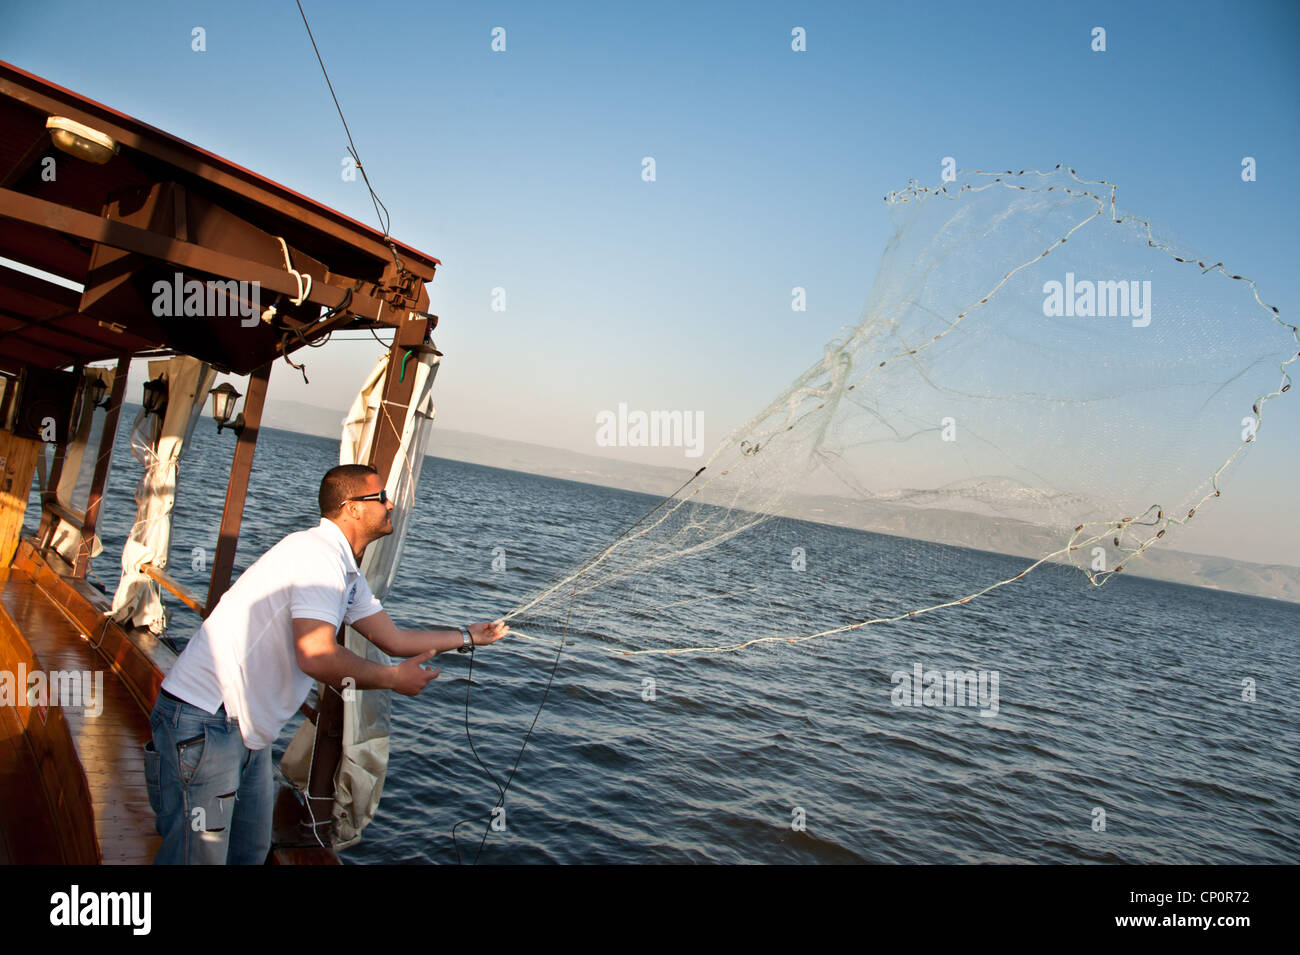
(79, 460)
(138, 601)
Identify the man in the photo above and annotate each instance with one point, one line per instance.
(253, 662)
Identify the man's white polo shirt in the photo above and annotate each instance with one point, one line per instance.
(243, 655)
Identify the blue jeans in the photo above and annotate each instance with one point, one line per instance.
(212, 795)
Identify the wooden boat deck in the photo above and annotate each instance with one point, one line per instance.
(107, 747)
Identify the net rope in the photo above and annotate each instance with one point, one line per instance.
(1125, 422)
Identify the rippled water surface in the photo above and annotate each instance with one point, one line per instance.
(1125, 699)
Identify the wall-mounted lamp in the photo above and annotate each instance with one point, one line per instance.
(155, 396)
(81, 141)
(96, 391)
(224, 397)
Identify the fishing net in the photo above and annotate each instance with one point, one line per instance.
(1035, 374)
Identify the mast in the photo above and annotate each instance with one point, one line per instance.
(385, 440)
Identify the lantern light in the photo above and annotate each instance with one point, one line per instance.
(224, 397)
(96, 389)
(155, 396)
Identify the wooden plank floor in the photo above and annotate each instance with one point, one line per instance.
(109, 744)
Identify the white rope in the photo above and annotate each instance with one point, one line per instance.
(302, 278)
(298, 276)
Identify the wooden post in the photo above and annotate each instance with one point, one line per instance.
(106, 439)
(223, 563)
(51, 493)
(399, 384)
(384, 442)
(17, 465)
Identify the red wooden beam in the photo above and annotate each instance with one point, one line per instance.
(50, 495)
(223, 564)
(120, 235)
(106, 439)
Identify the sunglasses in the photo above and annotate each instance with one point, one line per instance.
(380, 496)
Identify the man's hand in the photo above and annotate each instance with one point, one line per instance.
(411, 678)
(485, 633)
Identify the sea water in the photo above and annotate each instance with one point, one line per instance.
(1142, 722)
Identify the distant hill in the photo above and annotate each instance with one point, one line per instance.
(1020, 539)
(497, 452)
(1275, 581)
(304, 419)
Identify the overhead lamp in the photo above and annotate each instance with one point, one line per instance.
(81, 141)
(224, 397)
(155, 396)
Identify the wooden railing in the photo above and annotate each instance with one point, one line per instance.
(164, 580)
(52, 507)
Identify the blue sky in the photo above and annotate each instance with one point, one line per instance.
(521, 169)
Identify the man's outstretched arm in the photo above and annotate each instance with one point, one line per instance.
(380, 630)
(322, 657)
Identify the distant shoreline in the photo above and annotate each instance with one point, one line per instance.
(1269, 581)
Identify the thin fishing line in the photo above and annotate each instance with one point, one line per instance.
(469, 681)
(384, 219)
(613, 544)
(536, 716)
(559, 650)
(519, 758)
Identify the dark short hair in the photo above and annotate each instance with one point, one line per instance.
(341, 483)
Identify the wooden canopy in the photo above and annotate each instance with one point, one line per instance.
(163, 210)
